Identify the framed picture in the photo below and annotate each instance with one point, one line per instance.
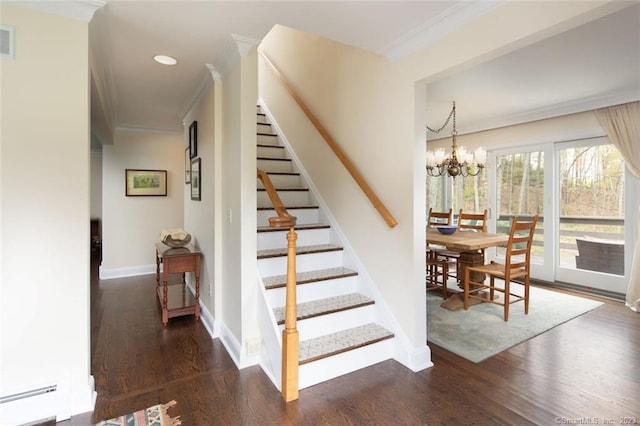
(187, 166)
(193, 140)
(145, 182)
(195, 179)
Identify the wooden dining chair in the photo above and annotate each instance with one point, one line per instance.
(516, 267)
(437, 269)
(439, 218)
(437, 272)
(466, 222)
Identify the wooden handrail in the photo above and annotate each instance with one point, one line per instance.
(386, 215)
(283, 218)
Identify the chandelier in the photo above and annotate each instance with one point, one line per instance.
(459, 162)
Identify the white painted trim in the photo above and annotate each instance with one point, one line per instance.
(133, 128)
(235, 48)
(128, 271)
(543, 113)
(234, 349)
(204, 84)
(78, 9)
(210, 324)
(437, 28)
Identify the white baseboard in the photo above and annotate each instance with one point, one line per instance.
(209, 322)
(128, 271)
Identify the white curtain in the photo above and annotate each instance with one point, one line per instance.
(622, 125)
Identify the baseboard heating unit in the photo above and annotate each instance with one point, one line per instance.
(32, 407)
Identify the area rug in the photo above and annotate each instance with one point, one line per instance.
(480, 332)
(152, 416)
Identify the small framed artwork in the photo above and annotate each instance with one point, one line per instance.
(187, 166)
(193, 140)
(145, 183)
(195, 180)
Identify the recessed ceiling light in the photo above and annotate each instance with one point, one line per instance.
(165, 60)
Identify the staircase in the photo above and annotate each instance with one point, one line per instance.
(338, 319)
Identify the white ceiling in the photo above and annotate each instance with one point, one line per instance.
(591, 66)
(589, 62)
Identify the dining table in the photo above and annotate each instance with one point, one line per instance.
(470, 245)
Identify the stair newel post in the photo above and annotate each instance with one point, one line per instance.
(290, 338)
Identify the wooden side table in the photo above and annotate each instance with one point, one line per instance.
(176, 299)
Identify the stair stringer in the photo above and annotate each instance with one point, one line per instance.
(414, 358)
(271, 350)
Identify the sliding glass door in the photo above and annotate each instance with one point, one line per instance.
(582, 194)
(593, 196)
(519, 183)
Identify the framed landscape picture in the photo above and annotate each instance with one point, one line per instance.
(145, 182)
(195, 180)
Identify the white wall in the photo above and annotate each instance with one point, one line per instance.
(199, 215)
(131, 225)
(239, 266)
(44, 233)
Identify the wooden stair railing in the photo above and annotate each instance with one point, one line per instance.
(377, 204)
(290, 336)
(283, 218)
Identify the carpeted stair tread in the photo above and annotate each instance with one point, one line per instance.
(300, 227)
(342, 341)
(281, 252)
(278, 281)
(325, 306)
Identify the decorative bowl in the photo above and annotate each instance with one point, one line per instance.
(447, 229)
(177, 243)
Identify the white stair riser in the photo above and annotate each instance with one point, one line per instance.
(268, 140)
(283, 181)
(303, 216)
(325, 369)
(332, 323)
(306, 237)
(275, 166)
(262, 119)
(288, 198)
(315, 290)
(304, 262)
(271, 151)
(263, 125)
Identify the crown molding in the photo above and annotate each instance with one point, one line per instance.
(142, 129)
(78, 9)
(235, 48)
(551, 111)
(205, 82)
(437, 28)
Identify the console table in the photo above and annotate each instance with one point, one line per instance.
(176, 299)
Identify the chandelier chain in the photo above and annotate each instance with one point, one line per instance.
(451, 114)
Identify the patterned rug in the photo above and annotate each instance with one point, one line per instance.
(152, 416)
(481, 332)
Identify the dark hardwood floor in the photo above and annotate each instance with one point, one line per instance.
(579, 372)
